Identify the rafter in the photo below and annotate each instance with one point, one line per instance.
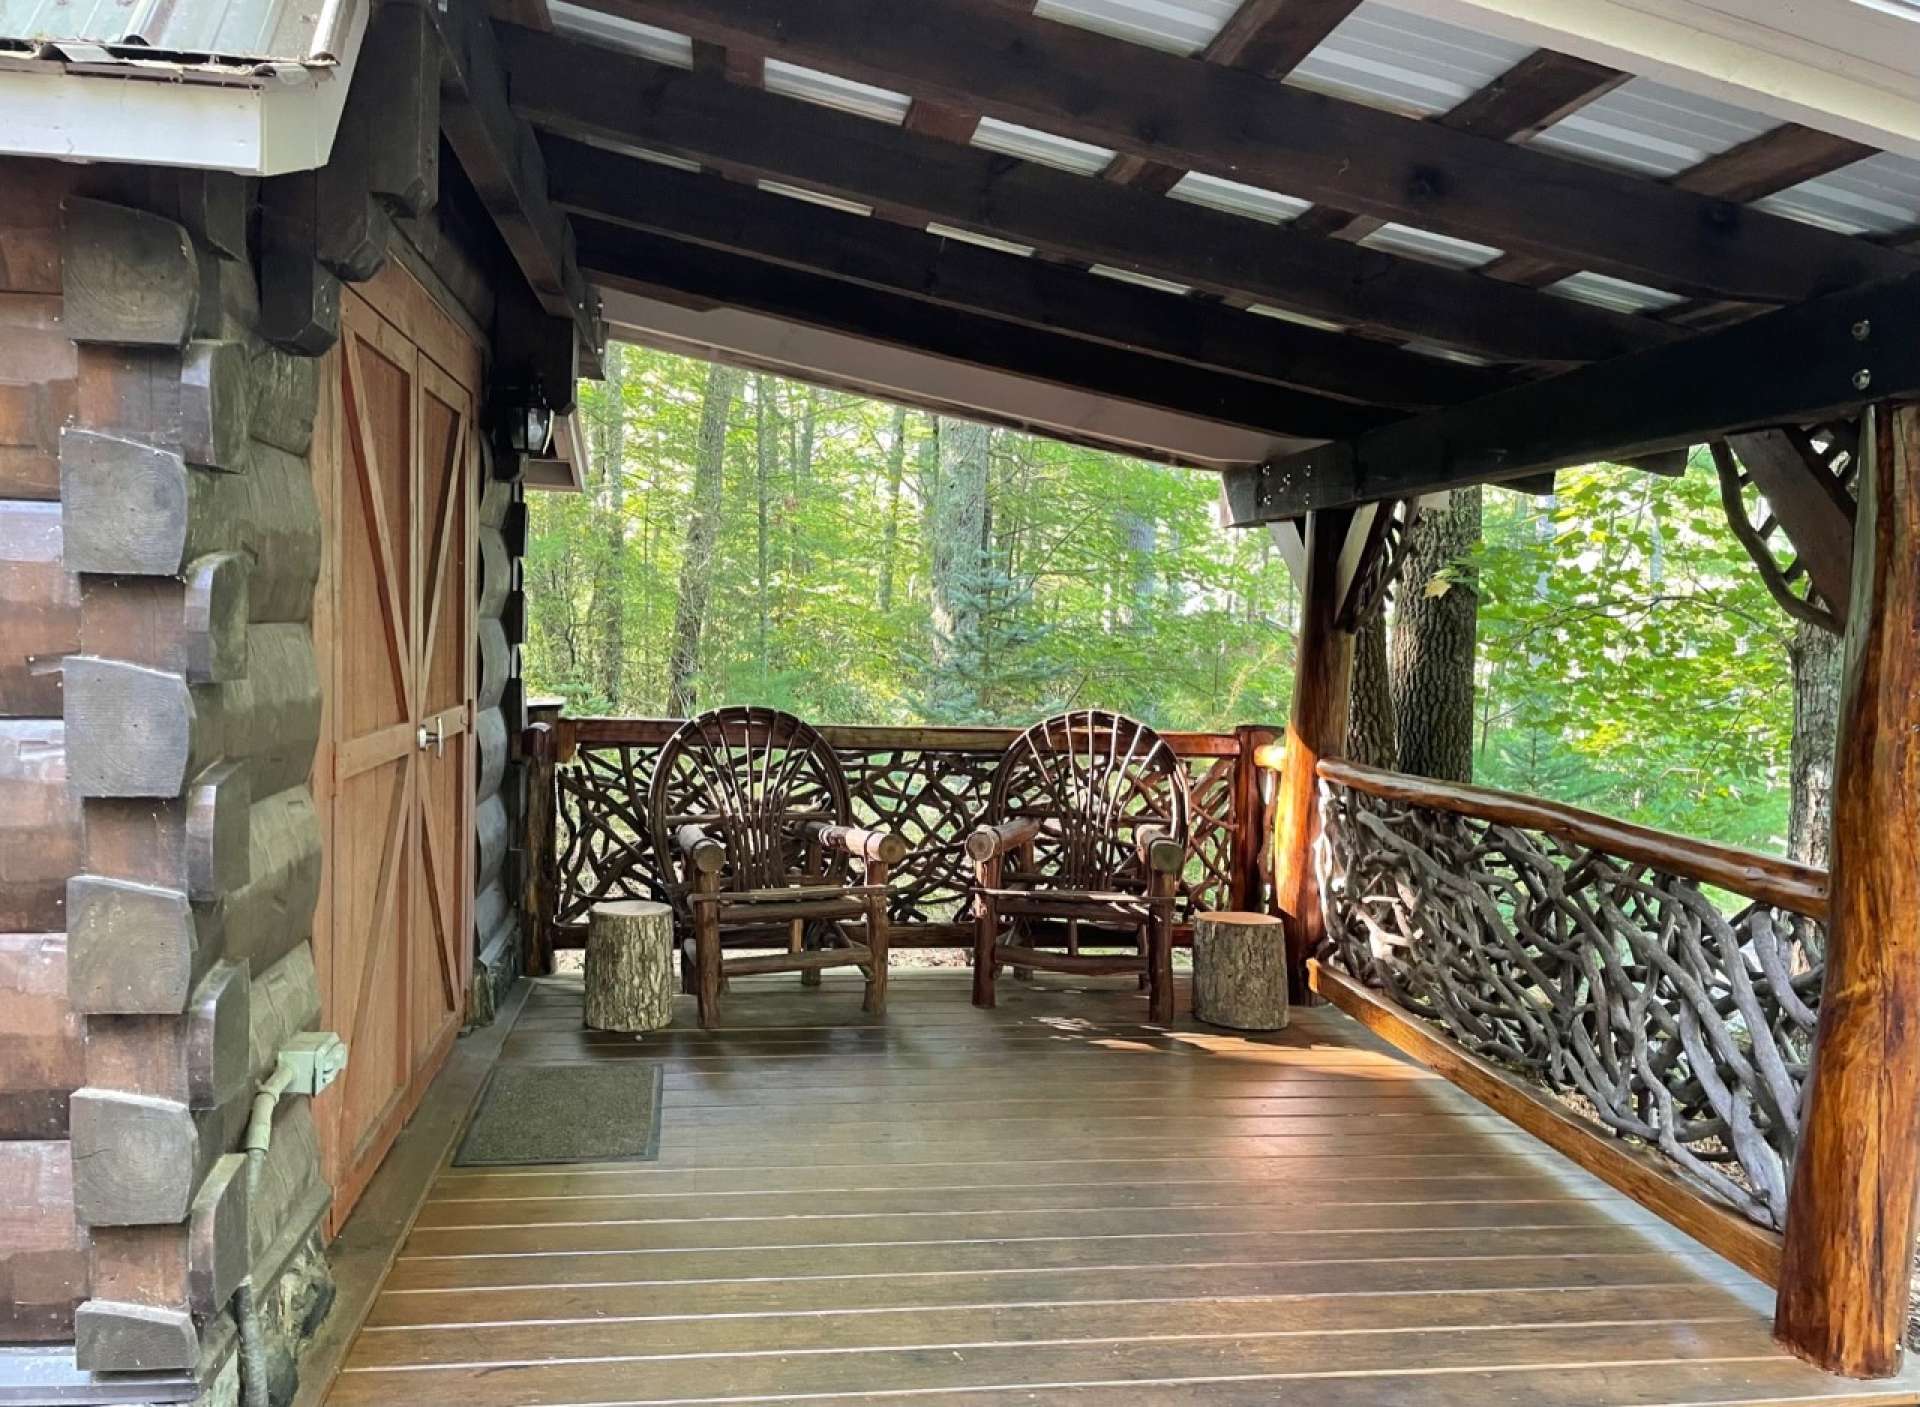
(1241, 126)
(614, 99)
(1796, 365)
(719, 214)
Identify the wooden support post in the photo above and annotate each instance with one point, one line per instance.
(538, 883)
(1849, 1233)
(1246, 881)
(1316, 728)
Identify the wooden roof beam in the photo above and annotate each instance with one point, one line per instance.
(1792, 366)
(502, 159)
(612, 99)
(1238, 125)
(736, 218)
(647, 263)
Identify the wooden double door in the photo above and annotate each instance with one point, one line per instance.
(398, 657)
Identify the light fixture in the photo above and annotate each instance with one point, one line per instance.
(522, 426)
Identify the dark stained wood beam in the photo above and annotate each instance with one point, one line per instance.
(1239, 125)
(611, 99)
(719, 214)
(1792, 366)
(1809, 505)
(1528, 98)
(1776, 159)
(657, 266)
(1271, 37)
(502, 159)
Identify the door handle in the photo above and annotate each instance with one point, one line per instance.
(437, 739)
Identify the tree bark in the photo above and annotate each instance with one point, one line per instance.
(1240, 971)
(890, 540)
(1370, 732)
(609, 588)
(763, 488)
(629, 969)
(703, 530)
(1816, 656)
(956, 528)
(1430, 661)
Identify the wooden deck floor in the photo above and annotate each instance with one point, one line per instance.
(1050, 1203)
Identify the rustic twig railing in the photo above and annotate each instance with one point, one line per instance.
(1585, 955)
(928, 784)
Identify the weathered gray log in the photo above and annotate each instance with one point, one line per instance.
(196, 843)
(135, 948)
(513, 617)
(196, 401)
(273, 913)
(496, 497)
(285, 999)
(217, 1235)
(138, 1158)
(134, 731)
(114, 1336)
(1240, 971)
(496, 663)
(286, 397)
(490, 752)
(215, 207)
(270, 513)
(495, 573)
(271, 718)
(200, 1060)
(129, 277)
(490, 907)
(629, 977)
(399, 83)
(127, 506)
(489, 840)
(299, 302)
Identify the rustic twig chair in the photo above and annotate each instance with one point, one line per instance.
(752, 831)
(1086, 827)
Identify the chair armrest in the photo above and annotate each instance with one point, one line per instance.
(987, 842)
(1159, 851)
(862, 844)
(705, 855)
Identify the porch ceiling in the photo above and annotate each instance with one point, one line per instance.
(1319, 220)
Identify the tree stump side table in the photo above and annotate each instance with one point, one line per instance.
(629, 979)
(1240, 971)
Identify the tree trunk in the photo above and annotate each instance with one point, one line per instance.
(629, 969)
(1816, 656)
(890, 540)
(1240, 971)
(703, 530)
(956, 528)
(1430, 662)
(762, 480)
(1370, 733)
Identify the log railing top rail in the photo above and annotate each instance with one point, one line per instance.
(1767, 878)
(643, 731)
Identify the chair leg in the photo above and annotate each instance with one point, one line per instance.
(797, 942)
(1160, 964)
(877, 939)
(1143, 944)
(706, 951)
(986, 963)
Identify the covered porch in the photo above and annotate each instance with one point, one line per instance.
(1051, 1202)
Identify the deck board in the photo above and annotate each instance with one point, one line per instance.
(1056, 1203)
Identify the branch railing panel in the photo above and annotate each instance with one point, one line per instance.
(928, 784)
(1591, 957)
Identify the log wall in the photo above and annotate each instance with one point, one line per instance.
(159, 710)
(500, 837)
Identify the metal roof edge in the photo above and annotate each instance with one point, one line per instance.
(268, 120)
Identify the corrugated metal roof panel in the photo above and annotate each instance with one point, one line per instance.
(1177, 26)
(1005, 246)
(830, 90)
(1648, 127)
(1431, 248)
(1615, 293)
(1255, 202)
(1164, 285)
(1267, 310)
(1390, 58)
(832, 202)
(630, 36)
(1011, 139)
(232, 29)
(1877, 196)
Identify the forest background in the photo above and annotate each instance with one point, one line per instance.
(748, 539)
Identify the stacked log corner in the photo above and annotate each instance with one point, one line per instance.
(502, 859)
(159, 708)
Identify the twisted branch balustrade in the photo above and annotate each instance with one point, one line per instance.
(1586, 955)
(928, 784)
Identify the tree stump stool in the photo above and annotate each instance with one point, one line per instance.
(630, 966)
(1240, 971)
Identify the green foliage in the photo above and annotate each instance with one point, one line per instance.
(1106, 581)
(1631, 660)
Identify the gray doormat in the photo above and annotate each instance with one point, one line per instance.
(600, 1113)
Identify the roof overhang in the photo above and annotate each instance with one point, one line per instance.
(87, 103)
(949, 387)
(563, 468)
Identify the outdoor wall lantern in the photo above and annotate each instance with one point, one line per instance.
(522, 426)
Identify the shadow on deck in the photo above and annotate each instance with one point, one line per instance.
(1050, 1203)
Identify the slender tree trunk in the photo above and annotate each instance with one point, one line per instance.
(1370, 732)
(956, 527)
(608, 502)
(1816, 656)
(703, 530)
(1430, 662)
(890, 539)
(762, 481)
